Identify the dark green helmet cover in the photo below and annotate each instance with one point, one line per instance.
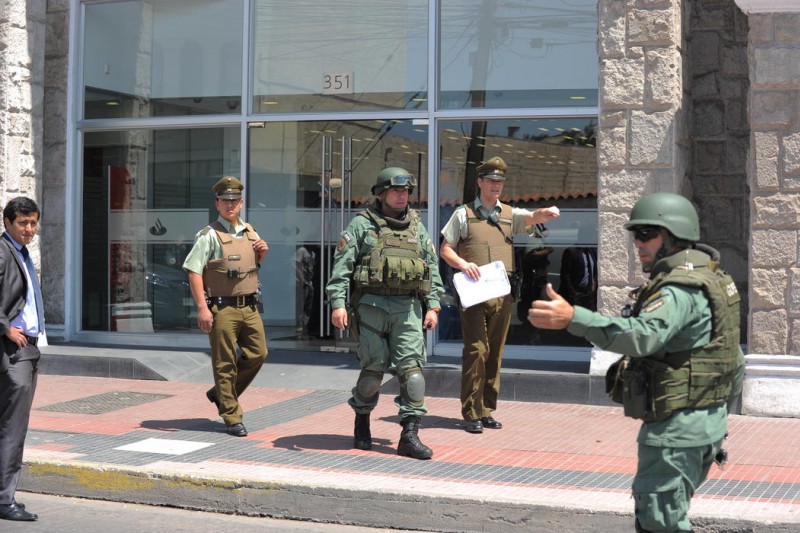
(666, 210)
(393, 177)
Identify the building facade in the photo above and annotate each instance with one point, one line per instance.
(117, 116)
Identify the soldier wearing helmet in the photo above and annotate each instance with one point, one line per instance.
(682, 367)
(479, 233)
(385, 259)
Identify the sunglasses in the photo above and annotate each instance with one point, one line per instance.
(646, 233)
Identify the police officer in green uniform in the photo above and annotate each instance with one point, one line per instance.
(223, 276)
(386, 259)
(479, 233)
(682, 366)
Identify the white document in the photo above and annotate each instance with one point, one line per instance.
(492, 284)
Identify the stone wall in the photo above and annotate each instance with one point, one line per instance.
(720, 132)
(774, 178)
(642, 142)
(54, 161)
(22, 34)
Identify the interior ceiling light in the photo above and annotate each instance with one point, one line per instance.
(577, 98)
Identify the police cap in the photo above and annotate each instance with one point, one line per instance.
(228, 187)
(495, 168)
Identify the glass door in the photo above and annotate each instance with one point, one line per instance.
(306, 181)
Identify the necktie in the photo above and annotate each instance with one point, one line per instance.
(37, 290)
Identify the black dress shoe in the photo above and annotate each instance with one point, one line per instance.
(237, 430)
(474, 426)
(491, 423)
(17, 513)
(212, 397)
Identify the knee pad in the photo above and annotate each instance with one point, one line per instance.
(368, 384)
(412, 386)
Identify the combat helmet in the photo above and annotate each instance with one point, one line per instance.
(393, 177)
(667, 210)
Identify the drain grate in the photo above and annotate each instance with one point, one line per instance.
(104, 403)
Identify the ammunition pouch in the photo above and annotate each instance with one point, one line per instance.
(630, 384)
(637, 400)
(614, 380)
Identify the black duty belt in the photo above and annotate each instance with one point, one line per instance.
(235, 301)
(33, 341)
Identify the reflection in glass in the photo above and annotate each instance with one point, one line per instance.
(550, 161)
(146, 193)
(312, 55)
(306, 182)
(537, 53)
(162, 58)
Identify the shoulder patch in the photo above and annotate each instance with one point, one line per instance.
(653, 306)
(205, 230)
(344, 240)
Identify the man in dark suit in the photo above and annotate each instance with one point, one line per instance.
(21, 323)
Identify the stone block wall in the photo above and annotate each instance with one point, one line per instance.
(54, 159)
(773, 169)
(720, 132)
(643, 142)
(22, 34)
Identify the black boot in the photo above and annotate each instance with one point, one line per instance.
(410, 444)
(362, 438)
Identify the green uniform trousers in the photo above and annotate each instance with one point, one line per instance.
(393, 342)
(234, 326)
(484, 327)
(666, 479)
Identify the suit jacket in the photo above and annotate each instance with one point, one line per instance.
(576, 263)
(13, 288)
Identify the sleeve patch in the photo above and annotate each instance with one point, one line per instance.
(344, 240)
(653, 306)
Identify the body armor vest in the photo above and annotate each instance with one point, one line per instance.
(236, 272)
(485, 242)
(395, 265)
(701, 377)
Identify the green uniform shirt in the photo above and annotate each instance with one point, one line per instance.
(207, 246)
(680, 319)
(358, 239)
(457, 227)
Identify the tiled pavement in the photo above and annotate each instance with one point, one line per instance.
(161, 442)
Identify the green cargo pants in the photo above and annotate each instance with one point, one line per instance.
(666, 479)
(390, 338)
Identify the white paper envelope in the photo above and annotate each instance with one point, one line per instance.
(493, 284)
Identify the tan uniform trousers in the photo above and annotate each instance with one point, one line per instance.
(484, 327)
(234, 326)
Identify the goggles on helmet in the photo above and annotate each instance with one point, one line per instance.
(400, 181)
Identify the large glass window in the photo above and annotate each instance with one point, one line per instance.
(146, 194)
(550, 161)
(307, 181)
(144, 58)
(318, 55)
(522, 53)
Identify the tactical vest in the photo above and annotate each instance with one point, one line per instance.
(236, 272)
(485, 243)
(701, 377)
(395, 265)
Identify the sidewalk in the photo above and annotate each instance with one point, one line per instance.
(552, 467)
